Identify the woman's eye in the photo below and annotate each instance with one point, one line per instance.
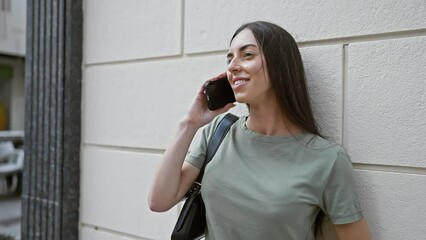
(244, 55)
(247, 54)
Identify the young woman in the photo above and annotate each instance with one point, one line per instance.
(273, 175)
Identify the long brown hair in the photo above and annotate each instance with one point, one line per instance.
(287, 77)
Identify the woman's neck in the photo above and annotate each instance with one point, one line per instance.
(268, 120)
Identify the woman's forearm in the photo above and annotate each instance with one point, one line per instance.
(171, 182)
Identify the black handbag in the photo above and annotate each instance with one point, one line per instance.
(191, 223)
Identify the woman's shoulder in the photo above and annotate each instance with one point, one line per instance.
(212, 126)
(326, 156)
(326, 147)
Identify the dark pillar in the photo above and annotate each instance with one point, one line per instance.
(50, 197)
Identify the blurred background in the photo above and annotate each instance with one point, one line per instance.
(12, 110)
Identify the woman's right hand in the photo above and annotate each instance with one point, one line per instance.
(199, 115)
(173, 177)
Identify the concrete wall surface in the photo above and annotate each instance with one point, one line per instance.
(144, 61)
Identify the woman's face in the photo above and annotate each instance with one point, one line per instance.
(247, 71)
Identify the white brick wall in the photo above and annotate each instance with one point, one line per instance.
(209, 24)
(141, 99)
(393, 203)
(130, 29)
(144, 60)
(386, 102)
(323, 66)
(114, 192)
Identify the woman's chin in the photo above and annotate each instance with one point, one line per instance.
(241, 98)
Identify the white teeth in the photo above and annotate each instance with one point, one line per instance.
(238, 82)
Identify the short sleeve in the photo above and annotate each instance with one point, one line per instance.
(340, 199)
(198, 149)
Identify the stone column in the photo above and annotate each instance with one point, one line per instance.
(50, 197)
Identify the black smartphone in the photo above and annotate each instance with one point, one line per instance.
(219, 93)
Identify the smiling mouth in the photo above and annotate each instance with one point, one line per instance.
(239, 82)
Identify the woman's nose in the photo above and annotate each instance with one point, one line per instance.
(234, 66)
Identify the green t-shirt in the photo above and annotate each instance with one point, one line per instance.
(273, 187)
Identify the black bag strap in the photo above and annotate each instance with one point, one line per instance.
(215, 141)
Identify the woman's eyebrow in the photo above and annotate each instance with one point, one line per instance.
(242, 48)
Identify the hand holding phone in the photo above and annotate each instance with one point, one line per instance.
(219, 93)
